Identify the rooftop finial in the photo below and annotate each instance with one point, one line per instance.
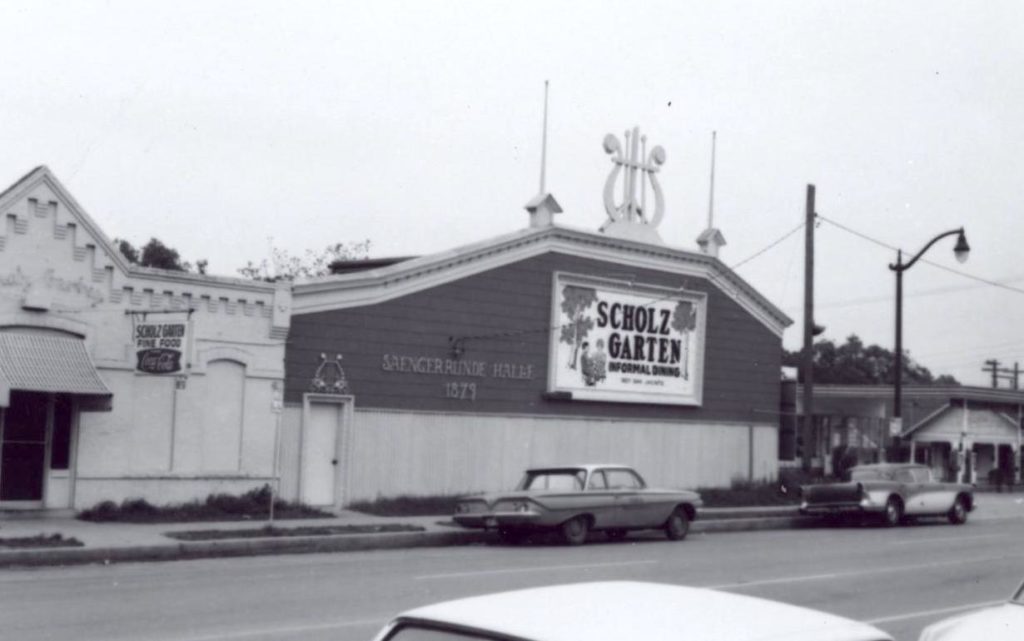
(711, 239)
(544, 141)
(543, 206)
(711, 198)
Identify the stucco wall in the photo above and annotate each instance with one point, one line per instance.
(161, 442)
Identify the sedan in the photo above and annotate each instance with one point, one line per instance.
(575, 500)
(890, 492)
(621, 611)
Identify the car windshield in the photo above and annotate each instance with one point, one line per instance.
(419, 633)
(868, 474)
(1019, 597)
(558, 480)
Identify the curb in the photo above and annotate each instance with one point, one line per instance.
(225, 548)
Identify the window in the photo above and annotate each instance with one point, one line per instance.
(559, 480)
(597, 481)
(921, 475)
(424, 633)
(623, 480)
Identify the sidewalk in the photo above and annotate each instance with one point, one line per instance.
(120, 542)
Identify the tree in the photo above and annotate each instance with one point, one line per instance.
(684, 321)
(575, 301)
(156, 254)
(853, 363)
(284, 266)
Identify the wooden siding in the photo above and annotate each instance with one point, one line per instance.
(396, 453)
(508, 310)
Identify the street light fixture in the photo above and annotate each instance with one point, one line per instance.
(961, 252)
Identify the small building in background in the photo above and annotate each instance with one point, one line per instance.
(118, 381)
(967, 434)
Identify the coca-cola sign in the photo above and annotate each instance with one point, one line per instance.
(159, 347)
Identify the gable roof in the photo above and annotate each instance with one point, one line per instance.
(111, 254)
(392, 281)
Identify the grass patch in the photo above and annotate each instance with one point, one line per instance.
(254, 505)
(40, 541)
(270, 531)
(433, 505)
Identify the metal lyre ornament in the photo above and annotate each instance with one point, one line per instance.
(637, 167)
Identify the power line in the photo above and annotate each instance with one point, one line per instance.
(923, 260)
(770, 246)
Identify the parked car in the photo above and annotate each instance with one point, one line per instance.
(1000, 623)
(890, 492)
(577, 499)
(622, 610)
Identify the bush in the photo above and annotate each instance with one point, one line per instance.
(747, 493)
(406, 505)
(254, 504)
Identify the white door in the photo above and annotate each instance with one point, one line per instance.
(320, 453)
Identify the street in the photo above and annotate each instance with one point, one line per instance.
(899, 579)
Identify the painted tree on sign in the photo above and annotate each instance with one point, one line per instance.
(684, 321)
(575, 301)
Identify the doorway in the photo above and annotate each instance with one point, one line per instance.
(320, 462)
(23, 447)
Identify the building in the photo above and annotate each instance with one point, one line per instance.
(118, 381)
(452, 372)
(968, 434)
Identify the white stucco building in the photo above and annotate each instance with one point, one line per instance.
(118, 381)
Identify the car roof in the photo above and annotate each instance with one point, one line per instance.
(637, 610)
(589, 467)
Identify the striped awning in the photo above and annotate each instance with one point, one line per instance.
(38, 362)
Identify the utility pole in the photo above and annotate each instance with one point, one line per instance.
(808, 354)
(993, 366)
(1011, 375)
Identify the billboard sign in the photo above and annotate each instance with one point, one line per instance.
(624, 342)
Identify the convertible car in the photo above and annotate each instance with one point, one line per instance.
(890, 492)
(575, 500)
(622, 611)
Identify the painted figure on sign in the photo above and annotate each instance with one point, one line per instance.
(594, 363)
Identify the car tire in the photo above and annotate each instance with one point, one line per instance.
(615, 535)
(957, 514)
(678, 525)
(893, 514)
(574, 531)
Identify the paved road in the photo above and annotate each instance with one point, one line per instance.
(898, 579)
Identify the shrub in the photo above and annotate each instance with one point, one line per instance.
(253, 504)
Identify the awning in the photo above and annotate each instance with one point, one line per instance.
(37, 362)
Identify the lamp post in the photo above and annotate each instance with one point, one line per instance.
(961, 251)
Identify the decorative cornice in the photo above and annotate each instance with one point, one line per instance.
(387, 283)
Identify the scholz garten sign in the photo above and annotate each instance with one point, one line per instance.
(159, 347)
(626, 342)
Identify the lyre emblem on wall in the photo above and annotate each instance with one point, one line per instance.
(330, 377)
(636, 167)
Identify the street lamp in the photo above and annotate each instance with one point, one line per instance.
(961, 251)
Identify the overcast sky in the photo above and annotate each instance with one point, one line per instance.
(217, 126)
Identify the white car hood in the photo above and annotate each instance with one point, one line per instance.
(1001, 623)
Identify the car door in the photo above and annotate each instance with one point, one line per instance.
(936, 497)
(602, 501)
(910, 489)
(635, 510)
